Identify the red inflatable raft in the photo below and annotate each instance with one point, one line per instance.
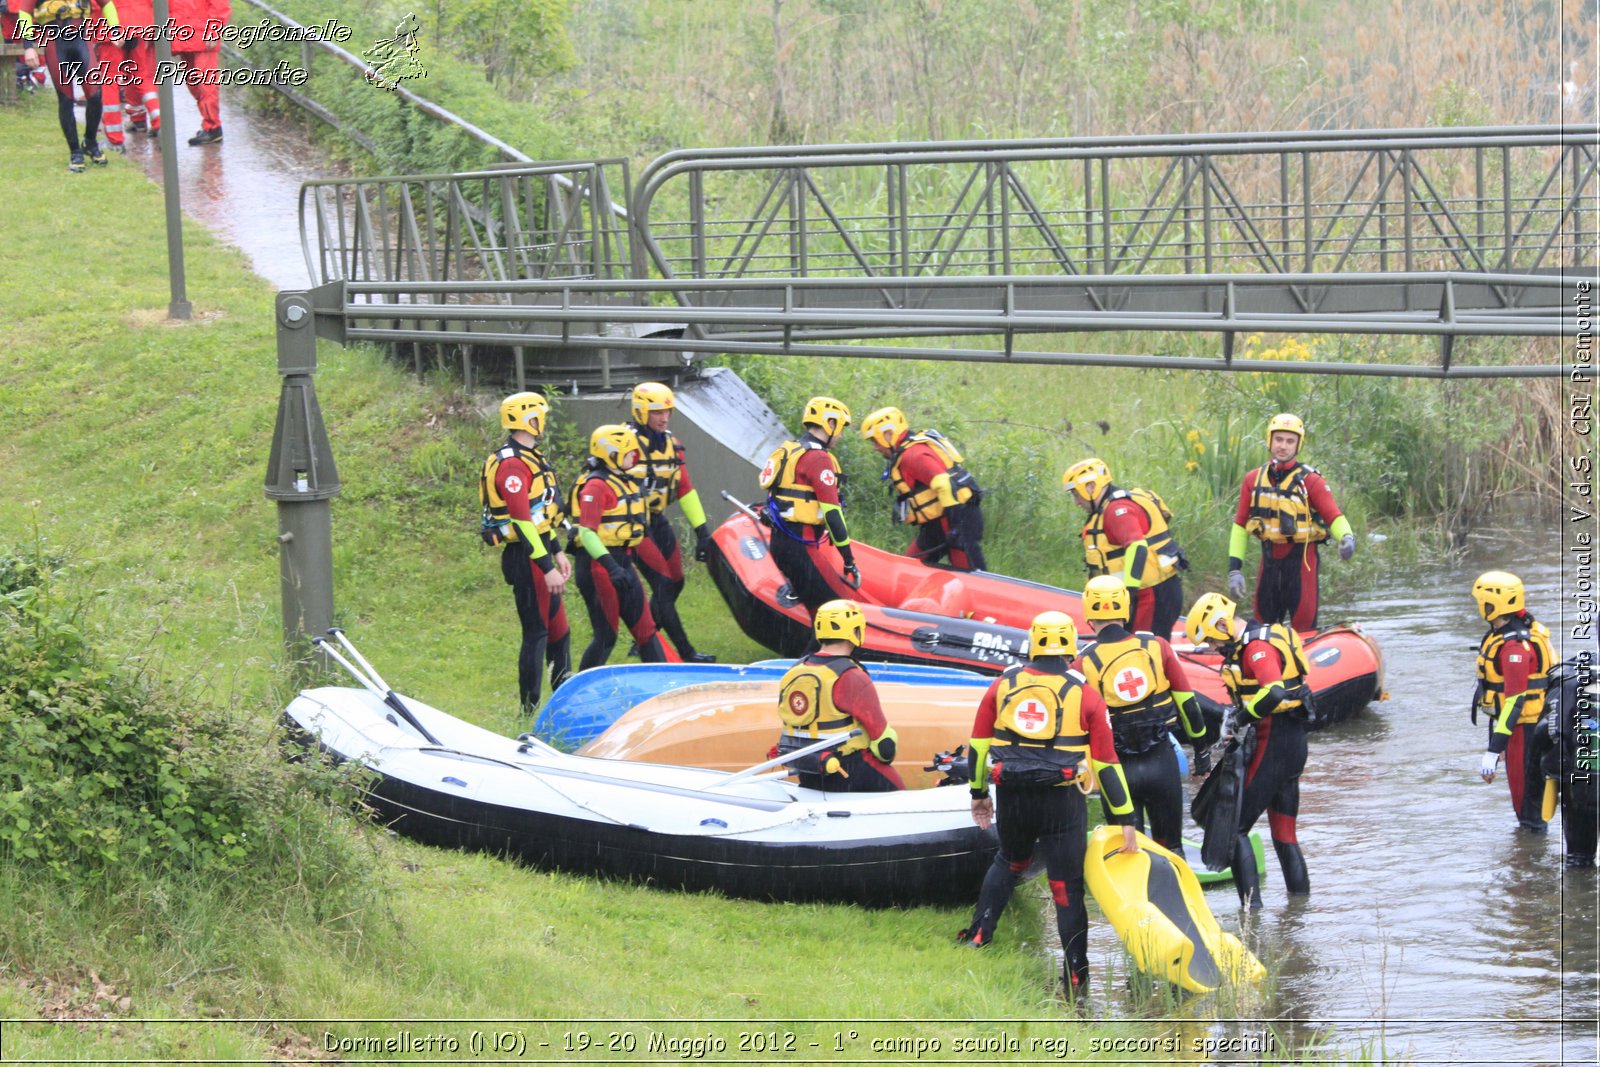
(918, 613)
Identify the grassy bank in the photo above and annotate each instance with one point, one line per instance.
(136, 449)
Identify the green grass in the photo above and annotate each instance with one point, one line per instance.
(138, 449)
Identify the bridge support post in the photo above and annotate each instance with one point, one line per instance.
(302, 480)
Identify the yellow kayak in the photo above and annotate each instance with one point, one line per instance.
(1154, 902)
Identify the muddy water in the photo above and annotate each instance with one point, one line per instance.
(245, 190)
(1435, 931)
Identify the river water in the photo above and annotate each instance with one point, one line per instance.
(1435, 932)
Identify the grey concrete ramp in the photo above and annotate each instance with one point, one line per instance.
(727, 430)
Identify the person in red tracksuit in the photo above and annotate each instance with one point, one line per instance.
(1288, 507)
(933, 490)
(199, 52)
(129, 61)
(612, 519)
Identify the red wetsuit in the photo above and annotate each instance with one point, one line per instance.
(612, 601)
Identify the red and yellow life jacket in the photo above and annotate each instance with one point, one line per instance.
(544, 496)
(806, 705)
(1290, 651)
(793, 501)
(921, 506)
(1132, 678)
(663, 468)
(1493, 688)
(1280, 508)
(623, 524)
(1104, 557)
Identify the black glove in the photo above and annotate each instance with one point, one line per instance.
(702, 543)
(953, 517)
(622, 578)
(852, 576)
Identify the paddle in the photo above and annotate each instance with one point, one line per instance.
(374, 684)
(749, 512)
(787, 757)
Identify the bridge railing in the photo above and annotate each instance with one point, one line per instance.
(1500, 199)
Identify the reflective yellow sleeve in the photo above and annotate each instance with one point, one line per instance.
(833, 516)
(1265, 700)
(592, 544)
(108, 11)
(1238, 538)
(530, 534)
(1194, 724)
(690, 503)
(1339, 528)
(1134, 559)
(978, 762)
(25, 25)
(1508, 714)
(1114, 787)
(947, 495)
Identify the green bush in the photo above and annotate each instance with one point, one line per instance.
(108, 766)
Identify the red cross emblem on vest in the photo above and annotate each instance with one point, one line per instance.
(1132, 684)
(798, 703)
(1031, 717)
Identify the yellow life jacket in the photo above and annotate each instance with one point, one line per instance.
(622, 525)
(1493, 688)
(663, 468)
(806, 706)
(1295, 667)
(48, 11)
(544, 497)
(920, 506)
(1039, 735)
(1280, 508)
(1103, 557)
(789, 499)
(1132, 677)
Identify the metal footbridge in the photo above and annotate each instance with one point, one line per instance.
(1171, 251)
(989, 251)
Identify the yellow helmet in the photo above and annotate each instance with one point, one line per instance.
(840, 620)
(1287, 423)
(524, 411)
(1106, 597)
(828, 413)
(885, 426)
(1498, 593)
(1211, 619)
(615, 445)
(1087, 478)
(1053, 633)
(648, 397)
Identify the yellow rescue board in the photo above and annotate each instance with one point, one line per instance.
(1154, 902)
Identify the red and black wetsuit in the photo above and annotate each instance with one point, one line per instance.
(68, 53)
(1287, 583)
(800, 549)
(611, 591)
(1273, 765)
(658, 556)
(1050, 820)
(854, 695)
(919, 464)
(546, 637)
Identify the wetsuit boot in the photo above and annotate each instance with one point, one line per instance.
(1246, 878)
(1293, 864)
(998, 883)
